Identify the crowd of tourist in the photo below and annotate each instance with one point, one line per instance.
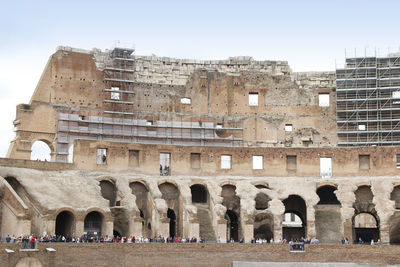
(28, 241)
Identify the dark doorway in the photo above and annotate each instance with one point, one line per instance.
(108, 191)
(172, 222)
(327, 195)
(199, 193)
(263, 226)
(294, 225)
(64, 223)
(232, 225)
(365, 226)
(93, 224)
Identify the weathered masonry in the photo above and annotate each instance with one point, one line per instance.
(150, 146)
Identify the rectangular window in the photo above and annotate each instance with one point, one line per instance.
(361, 127)
(291, 163)
(219, 125)
(165, 159)
(288, 127)
(186, 101)
(323, 100)
(398, 161)
(253, 99)
(149, 123)
(115, 95)
(134, 158)
(102, 156)
(226, 161)
(396, 94)
(258, 162)
(195, 160)
(326, 167)
(364, 162)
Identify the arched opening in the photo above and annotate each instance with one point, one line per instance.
(295, 218)
(232, 203)
(262, 201)
(199, 193)
(364, 194)
(261, 186)
(232, 226)
(65, 224)
(395, 196)
(172, 223)
(171, 195)
(394, 228)
(264, 226)
(327, 195)
(144, 204)
(108, 191)
(93, 223)
(40, 151)
(365, 228)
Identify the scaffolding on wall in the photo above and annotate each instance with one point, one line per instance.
(368, 101)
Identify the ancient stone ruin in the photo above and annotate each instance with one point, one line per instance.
(229, 149)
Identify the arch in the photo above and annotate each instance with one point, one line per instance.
(232, 225)
(230, 200)
(199, 193)
(296, 205)
(108, 191)
(261, 185)
(364, 194)
(395, 196)
(263, 226)
(327, 195)
(232, 183)
(143, 202)
(171, 195)
(93, 223)
(131, 181)
(365, 227)
(262, 201)
(41, 150)
(65, 223)
(172, 222)
(29, 262)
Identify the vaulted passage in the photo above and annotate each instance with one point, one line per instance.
(327, 215)
(394, 228)
(143, 202)
(172, 223)
(199, 193)
(264, 226)
(232, 225)
(171, 195)
(365, 220)
(395, 196)
(93, 223)
(366, 228)
(65, 222)
(295, 226)
(108, 191)
(232, 203)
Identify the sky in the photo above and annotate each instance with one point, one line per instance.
(310, 35)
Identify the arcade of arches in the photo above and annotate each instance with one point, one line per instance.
(228, 210)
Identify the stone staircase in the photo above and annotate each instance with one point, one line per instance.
(206, 229)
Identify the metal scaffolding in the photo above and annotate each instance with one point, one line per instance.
(368, 101)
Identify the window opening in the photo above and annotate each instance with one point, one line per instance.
(258, 162)
(102, 156)
(253, 99)
(165, 164)
(226, 161)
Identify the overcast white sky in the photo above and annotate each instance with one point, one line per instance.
(310, 35)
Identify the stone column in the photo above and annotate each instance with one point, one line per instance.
(108, 228)
(79, 228)
(247, 232)
(221, 230)
(345, 195)
(311, 232)
(277, 226)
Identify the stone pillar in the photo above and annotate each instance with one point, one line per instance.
(79, 228)
(163, 228)
(277, 226)
(221, 230)
(311, 232)
(384, 234)
(108, 228)
(247, 232)
(135, 226)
